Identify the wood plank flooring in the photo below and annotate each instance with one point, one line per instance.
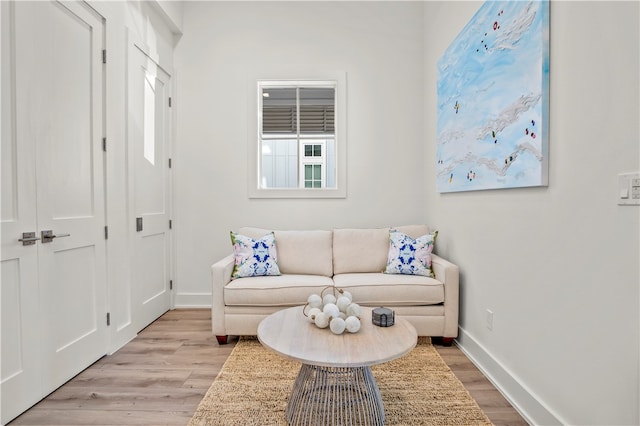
(495, 406)
(160, 377)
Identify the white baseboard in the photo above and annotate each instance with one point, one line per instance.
(516, 392)
(192, 300)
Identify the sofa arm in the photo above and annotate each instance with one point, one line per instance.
(220, 277)
(448, 273)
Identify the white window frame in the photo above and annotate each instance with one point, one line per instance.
(315, 77)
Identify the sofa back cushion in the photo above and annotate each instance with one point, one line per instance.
(327, 253)
(414, 231)
(301, 252)
(366, 250)
(305, 252)
(360, 250)
(255, 233)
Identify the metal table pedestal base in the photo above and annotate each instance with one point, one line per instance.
(335, 396)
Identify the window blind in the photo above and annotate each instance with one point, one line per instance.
(316, 119)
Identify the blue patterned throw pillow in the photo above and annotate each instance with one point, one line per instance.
(254, 257)
(408, 256)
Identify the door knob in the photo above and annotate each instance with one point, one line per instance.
(28, 238)
(48, 236)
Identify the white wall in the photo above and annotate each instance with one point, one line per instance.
(559, 265)
(379, 47)
(171, 12)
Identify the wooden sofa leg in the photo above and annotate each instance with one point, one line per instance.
(447, 341)
(442, 341)
(222, 340)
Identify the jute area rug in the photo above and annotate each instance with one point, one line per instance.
(254, 385)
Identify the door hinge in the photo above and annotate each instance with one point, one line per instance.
(104, 144)
(108, 319)
(106, 232)
(170, 224)
(104, 56)
(170, 163)
(170, 284)
(169, 101)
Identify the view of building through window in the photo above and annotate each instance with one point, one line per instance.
(297, 134)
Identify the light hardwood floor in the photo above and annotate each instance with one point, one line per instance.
(160, 377)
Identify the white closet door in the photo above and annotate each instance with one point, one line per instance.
(21, 348)
(58, 187)
(149, 132)
(70, 180)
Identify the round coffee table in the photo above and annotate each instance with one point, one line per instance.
(335, 384)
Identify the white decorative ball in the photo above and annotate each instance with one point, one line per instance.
(352, 324)
(322, 320)
(331, 309)
(315, 301)
(354, 310)
(342, 303)
(328, 298)
(342, 315)
(312, 313)
(347, 295)
(337, 325)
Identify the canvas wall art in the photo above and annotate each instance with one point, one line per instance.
(493, 100)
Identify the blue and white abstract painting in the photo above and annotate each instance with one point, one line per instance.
(493, 100)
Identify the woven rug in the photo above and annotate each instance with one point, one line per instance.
(418, 389)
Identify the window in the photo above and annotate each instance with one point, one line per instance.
(298, 139)
(297, 134)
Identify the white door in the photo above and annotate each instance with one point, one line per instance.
(21, 332)
(149, 133)
(53, 291)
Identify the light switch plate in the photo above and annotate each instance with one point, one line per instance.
(628, 191)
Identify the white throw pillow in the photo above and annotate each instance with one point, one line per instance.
(254, 257)
(410, 256)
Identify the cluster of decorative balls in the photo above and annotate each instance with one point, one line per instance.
(339, 314)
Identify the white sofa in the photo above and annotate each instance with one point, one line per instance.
(351, 259)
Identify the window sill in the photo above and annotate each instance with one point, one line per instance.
(297, 193)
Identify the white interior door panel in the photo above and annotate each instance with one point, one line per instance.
(70, 191)
(21, 370)
(149, 133)
(54, 289)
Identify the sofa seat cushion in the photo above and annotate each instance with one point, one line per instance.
(283, 290)
(391, 290)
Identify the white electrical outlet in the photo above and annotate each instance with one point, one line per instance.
(629, 189)
(489, 319)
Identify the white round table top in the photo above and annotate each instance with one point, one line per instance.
(291, 334)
